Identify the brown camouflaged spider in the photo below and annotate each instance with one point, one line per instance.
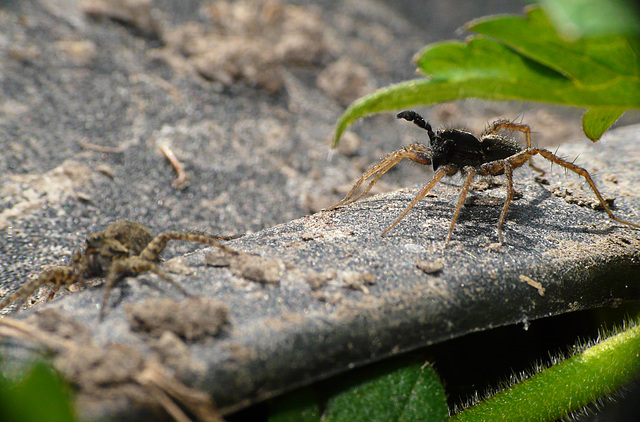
(123, 248)
(454, 150)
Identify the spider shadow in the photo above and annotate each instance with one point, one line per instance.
(122, 290)
(480, 220)
(529, 214)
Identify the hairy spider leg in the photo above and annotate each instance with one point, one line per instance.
(495, 167)
(439, 174)
(418, 153)
(145, 261)
(506, 124)
(520, 158)
(157, 245)
(470, 174)
(508, 172)
(58, 276)
(132, 265)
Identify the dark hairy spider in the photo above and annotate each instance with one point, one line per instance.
(454, 150)
(123, 248)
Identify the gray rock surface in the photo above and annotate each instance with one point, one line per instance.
(320, 294)
(311, 295)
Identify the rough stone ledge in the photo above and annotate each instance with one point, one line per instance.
(336, 294)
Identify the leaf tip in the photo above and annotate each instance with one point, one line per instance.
(596, 121)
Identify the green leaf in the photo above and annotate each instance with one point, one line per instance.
(40, 396)
(397, 391)
(524, 59)
(589, 18)
(411, 393)
(299, 406)
(565, 387)
(596, 121)
(608, 60)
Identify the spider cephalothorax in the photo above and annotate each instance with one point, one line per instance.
(454, 150)
(123, 248)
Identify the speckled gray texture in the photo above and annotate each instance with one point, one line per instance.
(286, 334)
(337, 294)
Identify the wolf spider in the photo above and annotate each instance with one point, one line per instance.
(454, 150)
(123, 248)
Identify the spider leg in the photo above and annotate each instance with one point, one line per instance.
(52, 293)
(439, 174)
(508, 172)
(138, 265)
(506, 124)
(418, 153)
(380, 169)
(582, 172)
(58, 276)
(506, 165)
(117, 269)
(134, 265)
(471, 173)
(157, 245)
(154, 269)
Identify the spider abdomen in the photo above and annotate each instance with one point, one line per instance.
(462, 149)
(496, 147)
